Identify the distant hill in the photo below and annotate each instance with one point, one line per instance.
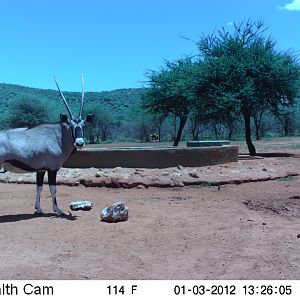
(116, 101)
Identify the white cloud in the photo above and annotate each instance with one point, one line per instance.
(294, 5)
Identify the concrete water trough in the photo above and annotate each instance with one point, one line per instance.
(152, 157)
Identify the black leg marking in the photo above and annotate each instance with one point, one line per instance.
(39, 187)
(40, 177)
(52, 177)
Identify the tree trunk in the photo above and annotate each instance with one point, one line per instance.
(159, 128)
(194, 130)
(247, 119)
(230, 130)
(258, 137)
(257, 122)
(196, 135)
(229, 133)
(215, 126)
(257, 130)
(182, 121)
(287, 125)
(195, 124)
(174, 127)
(103, 132)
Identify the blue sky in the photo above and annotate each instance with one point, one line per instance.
(114, 42)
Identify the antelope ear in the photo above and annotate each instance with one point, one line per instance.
(89, 118)
(64, 119)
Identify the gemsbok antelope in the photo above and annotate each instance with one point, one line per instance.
(44, 148)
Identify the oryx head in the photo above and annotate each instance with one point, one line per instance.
(76, 123)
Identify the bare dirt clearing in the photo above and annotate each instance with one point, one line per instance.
(230, 231)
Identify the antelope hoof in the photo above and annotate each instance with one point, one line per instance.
(59, 213)
(38, 212)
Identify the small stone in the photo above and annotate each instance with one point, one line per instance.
(194, 174)
(179, 167)
(114, 213)
(117, 169)
(140, 187)
(264, 223)
(298, 236)
(264, 169)
(81, 205)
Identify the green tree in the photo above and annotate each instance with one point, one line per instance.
(143, 123)
(171, 92)
(28, 112)
(103, 123)
(243, 73)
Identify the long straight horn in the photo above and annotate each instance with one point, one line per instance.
(65, 101)
(82, 98)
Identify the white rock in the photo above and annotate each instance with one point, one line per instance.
(114, 213)
(81, 205)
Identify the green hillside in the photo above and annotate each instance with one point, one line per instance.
(117, 102)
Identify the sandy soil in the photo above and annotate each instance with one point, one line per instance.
(249, 230)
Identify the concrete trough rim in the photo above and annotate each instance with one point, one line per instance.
(156, 157)
(150, 148)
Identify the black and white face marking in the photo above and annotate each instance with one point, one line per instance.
(77, 128)
(77, 124)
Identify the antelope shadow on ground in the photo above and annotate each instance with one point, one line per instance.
(24, 217)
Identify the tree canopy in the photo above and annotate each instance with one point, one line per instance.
(171, 92)
(242, 73)
(28, 112)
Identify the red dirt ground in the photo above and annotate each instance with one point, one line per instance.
(232, 231)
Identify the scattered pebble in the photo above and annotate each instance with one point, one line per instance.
(140, 186)
(194, 174)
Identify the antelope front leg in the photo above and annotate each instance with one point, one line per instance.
(52, 187)
(39, 187)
